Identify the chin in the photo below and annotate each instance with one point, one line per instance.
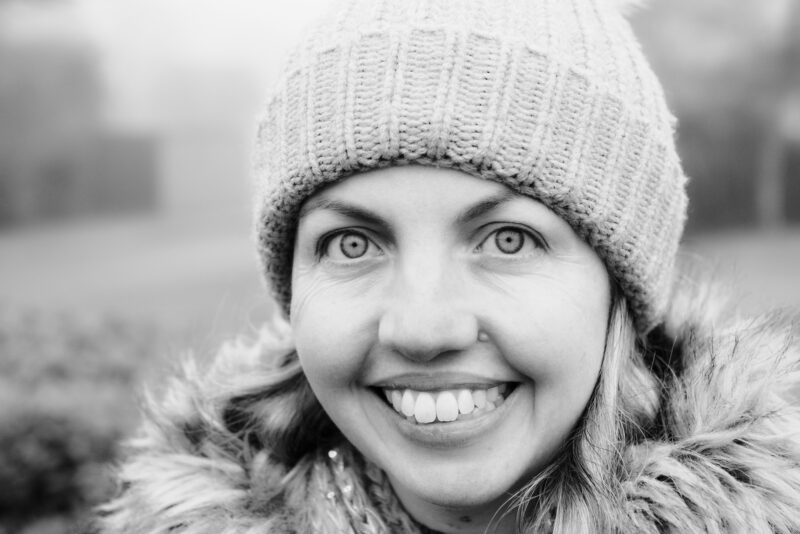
(457, 498)
(455, 489)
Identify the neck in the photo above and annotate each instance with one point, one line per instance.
(486, 519)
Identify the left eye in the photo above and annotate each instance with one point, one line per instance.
(509, 241)
(349, 245)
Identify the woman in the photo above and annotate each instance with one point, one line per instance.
(470, 213)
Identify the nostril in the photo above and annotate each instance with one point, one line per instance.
(422, 336)
(426, 351)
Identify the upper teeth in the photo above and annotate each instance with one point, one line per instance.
(446, 405)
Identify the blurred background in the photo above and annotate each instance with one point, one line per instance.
(125, 137)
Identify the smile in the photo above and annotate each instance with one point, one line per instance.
(445, 406)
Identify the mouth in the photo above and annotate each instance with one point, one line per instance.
(446, 405)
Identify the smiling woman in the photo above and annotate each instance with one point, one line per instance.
(469, 213)
(395, 273)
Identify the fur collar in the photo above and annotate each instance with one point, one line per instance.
(727, 457)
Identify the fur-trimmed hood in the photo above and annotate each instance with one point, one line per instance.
(725, 458)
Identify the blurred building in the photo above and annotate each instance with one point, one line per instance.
(185, 159)
(57, 161)
(205, 134)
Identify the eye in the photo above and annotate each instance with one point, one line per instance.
(348, 245)
(509, 241)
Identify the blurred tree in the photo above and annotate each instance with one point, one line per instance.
(721, 64)
(774, 156)
(791, 117)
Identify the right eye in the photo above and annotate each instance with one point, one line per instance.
(511, 241)
(349, 245)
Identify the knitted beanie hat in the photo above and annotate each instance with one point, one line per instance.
(552, 98)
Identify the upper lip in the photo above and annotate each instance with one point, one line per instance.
(438, 381)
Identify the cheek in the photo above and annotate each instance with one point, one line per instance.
(329, 336)
(557, 340)
(564, 358)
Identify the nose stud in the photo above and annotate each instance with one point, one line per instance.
(483, 336)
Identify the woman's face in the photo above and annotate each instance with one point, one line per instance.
(452, 329)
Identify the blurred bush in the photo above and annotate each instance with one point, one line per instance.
(67, 391)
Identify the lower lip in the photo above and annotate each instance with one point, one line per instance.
(454, 434)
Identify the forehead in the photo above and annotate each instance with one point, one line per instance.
(414, 187)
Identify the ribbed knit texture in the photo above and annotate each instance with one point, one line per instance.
(552, 98)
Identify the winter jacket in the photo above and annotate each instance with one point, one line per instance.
(725, 456)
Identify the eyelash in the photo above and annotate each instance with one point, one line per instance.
(526, 233)
(324, 243)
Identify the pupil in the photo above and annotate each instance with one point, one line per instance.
(353, 245)
(509, 241)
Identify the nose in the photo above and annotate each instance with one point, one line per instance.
(426, 315)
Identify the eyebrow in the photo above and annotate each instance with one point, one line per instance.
(343, 208)
(354, 212)
(485, 206)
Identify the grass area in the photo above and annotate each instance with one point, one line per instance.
(199, 285)
(763, 267)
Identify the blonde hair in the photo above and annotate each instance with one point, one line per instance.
(574, 493)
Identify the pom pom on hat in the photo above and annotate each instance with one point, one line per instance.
(626, 7)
